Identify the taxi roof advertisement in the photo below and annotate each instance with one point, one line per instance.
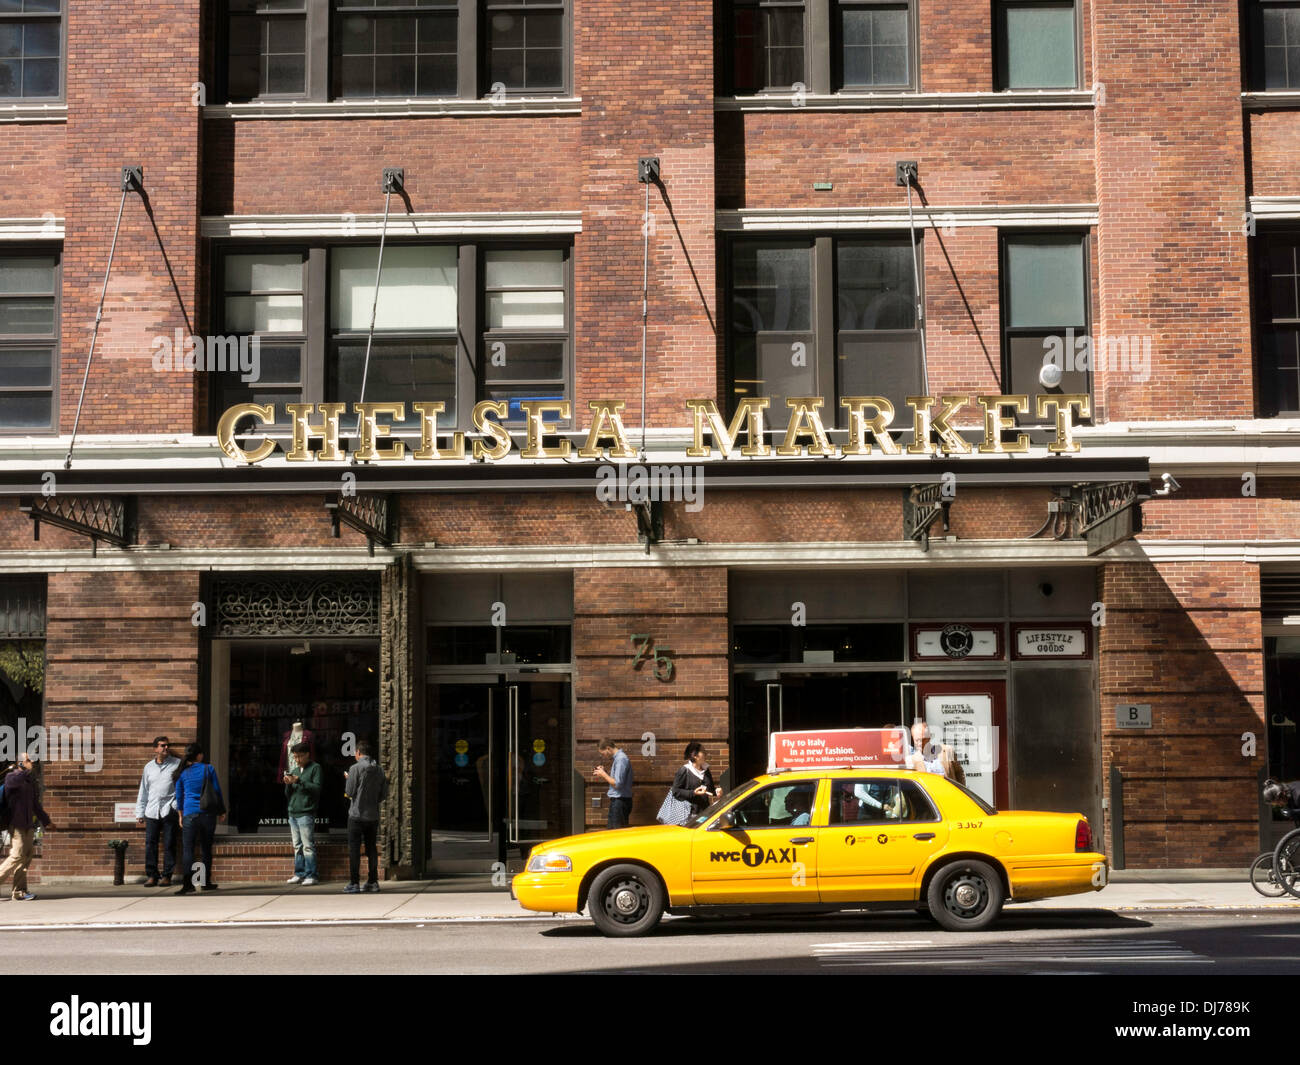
(821, 748)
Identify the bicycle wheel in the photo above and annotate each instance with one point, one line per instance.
(1286, 862)
(1262, 878)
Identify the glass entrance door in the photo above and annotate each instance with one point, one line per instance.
(799, 701)
(498, 768)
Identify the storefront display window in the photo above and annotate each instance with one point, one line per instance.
(331, 687)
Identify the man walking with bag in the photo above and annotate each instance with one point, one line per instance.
(24, 810)
(366, 787)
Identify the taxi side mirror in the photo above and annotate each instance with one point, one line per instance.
(726, 821)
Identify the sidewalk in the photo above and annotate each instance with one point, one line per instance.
(468, 899)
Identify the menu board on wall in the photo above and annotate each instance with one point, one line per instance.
(965, 723)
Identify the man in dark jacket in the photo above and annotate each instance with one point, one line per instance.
(366, 787)
(23, 809)
(302, 789)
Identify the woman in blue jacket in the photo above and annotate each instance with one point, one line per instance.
(190, 777)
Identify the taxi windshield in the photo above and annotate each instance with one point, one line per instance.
(734, 793)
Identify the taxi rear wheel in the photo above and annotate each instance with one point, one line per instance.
(965, 896)
(626, 900)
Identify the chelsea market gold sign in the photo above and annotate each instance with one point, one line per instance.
(869, 420)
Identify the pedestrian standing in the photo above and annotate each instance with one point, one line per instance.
(302, 786)
(24, 812)
(366, 787)
(694, 781)
(619, 779)
(198, 826)
(155, 809)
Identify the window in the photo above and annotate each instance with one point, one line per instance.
(407, 49)
(396, 49)
(267, 49)
(310, 308)
(29, 341)
(31, 49)
(830, 316)
(775, 45)
(1278, 323)
(1275, 44)
(778, 806)
(1035, 45)
(1045, 316)
(866, 801)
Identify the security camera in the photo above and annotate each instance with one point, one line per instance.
(1170, 486)
(1046, 589)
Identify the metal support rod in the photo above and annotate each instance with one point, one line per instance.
(645, 309)
(379, 266)
(1116, 818)
(127, 185)
(916, 273)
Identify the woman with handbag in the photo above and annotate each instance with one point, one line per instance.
(198, 798)
(694, 781)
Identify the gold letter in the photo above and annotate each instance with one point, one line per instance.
(1065, 441)
(920, 444)
(804, 408)
(429, 449)
(995, 421)
(859, 423)
(501, 449)
(606, 410)
(533, 410)
(750, 409)
(367, 452)
(328, 431)
(226, 431)
(949, 441)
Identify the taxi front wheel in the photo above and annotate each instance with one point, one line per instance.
(965, 896)
(626, 900)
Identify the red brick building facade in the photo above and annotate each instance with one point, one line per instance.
(1095, 168)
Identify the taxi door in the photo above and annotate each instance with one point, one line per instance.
(768, 853)
(879, 836)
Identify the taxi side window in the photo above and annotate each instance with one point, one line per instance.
(876, 801)
(778, 806)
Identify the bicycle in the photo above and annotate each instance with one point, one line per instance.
(1285, 866)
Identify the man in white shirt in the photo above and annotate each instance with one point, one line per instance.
(155, 808)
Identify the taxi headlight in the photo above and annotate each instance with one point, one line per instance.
(550, 863)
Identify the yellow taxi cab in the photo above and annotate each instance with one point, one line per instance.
(818, 840)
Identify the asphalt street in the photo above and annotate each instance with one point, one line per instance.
(1025, 942)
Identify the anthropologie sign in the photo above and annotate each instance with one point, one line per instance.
(869, 419)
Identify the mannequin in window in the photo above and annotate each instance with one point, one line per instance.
(297, 734)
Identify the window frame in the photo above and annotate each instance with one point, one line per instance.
(1262, 305)
(1254, 67)
(999, 44)
(408, 10)
(815, 785)
(28, 16)
(825, 324)
(1005, 330)
(27, 340)
(823, 48)
(471, 57)
(319, 335)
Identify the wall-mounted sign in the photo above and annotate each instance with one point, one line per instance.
(965, 723)
(1051, 641)
(1133, 715)
(869, 419)
(957, 641)
(123, 811)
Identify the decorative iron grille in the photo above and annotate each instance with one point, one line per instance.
(22, 608)
(264, 605)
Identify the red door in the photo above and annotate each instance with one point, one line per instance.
(971, 715)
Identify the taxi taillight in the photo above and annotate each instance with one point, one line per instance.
(1083, 836)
